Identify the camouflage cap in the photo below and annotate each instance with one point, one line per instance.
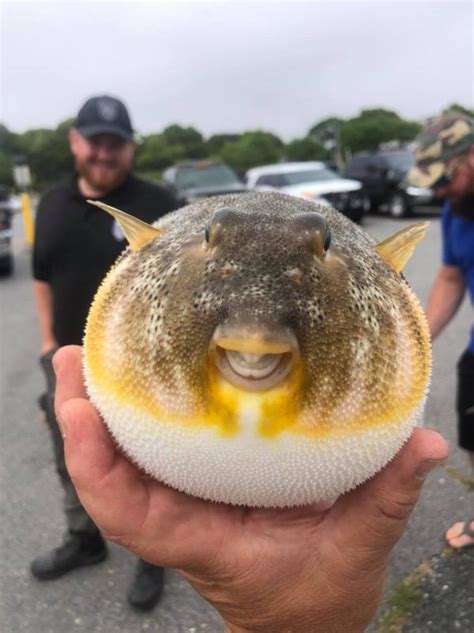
(448, 136)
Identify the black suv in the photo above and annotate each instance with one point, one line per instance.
(6, 212)
(202, 178)
(383, 175)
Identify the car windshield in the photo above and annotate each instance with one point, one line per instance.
(309, 175)
(401, 161)
(205, 176)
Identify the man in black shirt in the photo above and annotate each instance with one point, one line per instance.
(75, 245)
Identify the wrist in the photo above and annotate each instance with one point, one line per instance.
(229, 628)
(316, 610)
(333, 627)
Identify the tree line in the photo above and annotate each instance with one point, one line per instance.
(46, 150)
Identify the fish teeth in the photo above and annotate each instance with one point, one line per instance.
(250, 365)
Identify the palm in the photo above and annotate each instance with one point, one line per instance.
(297, 565)
(208, 529)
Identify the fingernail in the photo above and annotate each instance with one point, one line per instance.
(325, 504)
(426, 467)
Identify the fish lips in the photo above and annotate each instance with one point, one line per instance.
(252, 358)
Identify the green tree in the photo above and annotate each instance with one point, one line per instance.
(155, 153)
(8, 140)
(251, 149)
(8, 149)
(217, 141)
(376, 126)
(6, 169)
(188, 139)
(306, 149)
(47, 153)
(326, 131)
(456, 107)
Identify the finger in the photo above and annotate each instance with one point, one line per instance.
(157, 523)
(110, 487)
(67, 363)
(375, 515)
(127, 506)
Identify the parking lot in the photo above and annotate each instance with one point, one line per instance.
(93, 599)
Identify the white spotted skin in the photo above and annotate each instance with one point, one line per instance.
(249, 470)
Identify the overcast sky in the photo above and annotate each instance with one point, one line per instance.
(232, 66)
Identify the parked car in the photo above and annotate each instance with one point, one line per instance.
(6, 211)
(202, 178)
(314, 181)
(383, 174)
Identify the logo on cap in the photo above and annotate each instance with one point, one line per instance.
(117, 231)
(108, 109)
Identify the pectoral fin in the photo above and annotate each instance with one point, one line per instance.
(137, 232)
(397, 249)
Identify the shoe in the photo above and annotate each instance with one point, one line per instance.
(78, 549)
(147, 586)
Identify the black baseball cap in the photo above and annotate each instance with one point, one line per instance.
(104, 115)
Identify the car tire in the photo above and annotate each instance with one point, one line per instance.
(356, 216)
(398, 206)
(373, 206)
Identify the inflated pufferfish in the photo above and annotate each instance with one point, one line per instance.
(258, 349)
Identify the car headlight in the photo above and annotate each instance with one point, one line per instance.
(418, 191)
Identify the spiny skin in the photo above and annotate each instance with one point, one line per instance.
(356, 387)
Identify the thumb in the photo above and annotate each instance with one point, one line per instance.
(374, 516)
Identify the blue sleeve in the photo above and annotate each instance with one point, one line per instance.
(448, 256)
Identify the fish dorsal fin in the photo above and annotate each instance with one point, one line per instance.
(137, 232)
(397, 249)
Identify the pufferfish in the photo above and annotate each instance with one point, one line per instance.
(258, 349)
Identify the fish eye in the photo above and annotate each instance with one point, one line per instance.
(327, 240)
(221, 220)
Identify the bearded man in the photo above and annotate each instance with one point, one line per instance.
(75, 245)
(445, 162)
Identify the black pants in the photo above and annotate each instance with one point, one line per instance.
(465, 401)
(76, 517)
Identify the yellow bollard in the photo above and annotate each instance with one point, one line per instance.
(27, 218)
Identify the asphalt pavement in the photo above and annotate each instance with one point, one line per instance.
(92, 600)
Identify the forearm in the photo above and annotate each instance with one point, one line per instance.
(44, 306)
(445, 298)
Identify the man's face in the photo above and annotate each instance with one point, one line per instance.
(462, 178)
(104, 161)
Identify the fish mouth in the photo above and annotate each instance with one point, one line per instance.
(254, 361)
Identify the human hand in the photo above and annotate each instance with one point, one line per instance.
(48, 346)
(295, 570)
